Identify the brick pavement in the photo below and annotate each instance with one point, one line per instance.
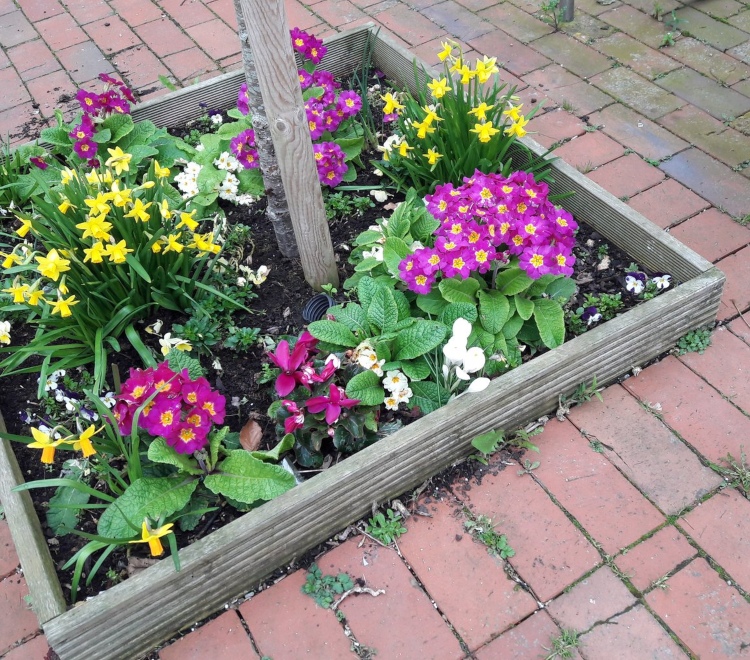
(640, 547)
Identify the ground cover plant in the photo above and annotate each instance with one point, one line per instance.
(442, 293)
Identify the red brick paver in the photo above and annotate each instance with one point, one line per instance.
(224, 637)
(707, 614)
(668, 203)
(712, 234)
(8, 557)
(736, 296)
(18, 621)
(529, 639)
(626, 176)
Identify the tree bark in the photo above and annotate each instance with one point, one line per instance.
(277, 210)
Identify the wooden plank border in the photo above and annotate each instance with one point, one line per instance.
(134, 616)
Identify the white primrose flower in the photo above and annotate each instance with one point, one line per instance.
(245, 200)
(662, 281)
(376, 253)
(368, 359)
(217, 120)
(379, 195)
(404, 395)
(4, 332)
(395, 381)
(391, 403)
(193, 169)
(222, 162)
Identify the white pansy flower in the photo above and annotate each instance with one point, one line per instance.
(108, 399)
(217, 120)
(167, 343)
(662, 281)
(4, 332)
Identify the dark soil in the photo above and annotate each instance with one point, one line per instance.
(276, 311)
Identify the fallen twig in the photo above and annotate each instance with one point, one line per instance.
(357, 590)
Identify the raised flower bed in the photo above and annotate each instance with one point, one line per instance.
(134, 616)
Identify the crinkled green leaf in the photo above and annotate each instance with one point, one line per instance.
(513, 280)
(383, 312)
(366, 387)
(455, 290)
(562, 289)
(366, 289)
(494, 310)
(152, 498)
(512, 326)
(428, 396)
(352, 316)
(160, 452)
(333, 332)
(246, 479)
(273, 455)
(419, 339)
(460, 310)
(550, 320)
(416, 369)
(59, 520)
(524, 307)
(394, 250)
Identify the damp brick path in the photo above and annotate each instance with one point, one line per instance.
(638, 547)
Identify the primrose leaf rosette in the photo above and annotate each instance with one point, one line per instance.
(246, 479)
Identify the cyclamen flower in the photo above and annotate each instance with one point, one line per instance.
(290, 361)
(332, 404)
(296, 419)
(243, 147)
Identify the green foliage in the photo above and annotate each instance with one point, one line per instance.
(325, 589)
(385, 530)
(464, 142)
(202, 332)
(342, 206)
(482, 529)
(179, 360)
(552, 12)
(64, 509)
(487, 444)
(736, 471)
(563, 646)
(241, 339)
(695, 341)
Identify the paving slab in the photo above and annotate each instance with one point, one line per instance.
(555, 126)
(512, 20)
(740, 328)
(741, 52)
(709, 30)
(635, 634)
(224, 637)
(565, 88)
(85, 11)
(8, 557)
(37, 10)
(33, 59)
(684, 398)
(721, 526)
(60, 31)
(647, 6)
(626, 176)
(710, 179)
(741, 20)
(84, 62)
(707, 94)
(285, 623)
(593, 8)
(140, 68)
(736, 296)
(415, 628)
(708, 615)
(708, 134)
(637, 133)
(511, 54)
(591, 489)
(645, 450)
(550, 552)
(709, 61)
(49, 90)
(712, 234)
(529, 639)
(580, 59)
(635, 23)
(597, 598)
(339, 13)
(668, 203)
(720, 8)
(655, 557)
(15, 29)
(646, 61)
(136, 13)
(589, 151)
(586, 28)
(469, 585)
(164, 37)
(18, 621)
(34, 649)
(216, 38)
(461, 22)
(429, 50)
(636, 92)
(410, 25)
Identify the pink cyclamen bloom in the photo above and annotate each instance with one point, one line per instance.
(296, 419)
(290, 361)
(332, 404)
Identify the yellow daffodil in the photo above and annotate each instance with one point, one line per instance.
(430, 114)
(17, 291)
(65, 205)
(10, 259)
(62, 287)
(153, 537)
(480, 112)
(46, 444)
(404, 149)
(432, 156)
(119, 197)
(517, 128)
(423, 129)
(24, 228)
(52, 265)
(33, 296)
(118, 252)
(446, 52)
(84, 441)
(93, 177)
(439, 87)
(139, 211)
(95, 227)
(485, 68)
(159, 171)
(98, 205)
(513, 112)
(204, 243)
(391, 104)
(67, 175)
(173, 243)
(166, 214)
(62, 306)
(466, 74)
(119, 160)
(187, 220)
(484, 131)
(158, 245)
(94, 254)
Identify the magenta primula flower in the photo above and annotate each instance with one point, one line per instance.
(85, 148)
(89, 101)
(215, 406)
(167, 381)
(123, 414)
(194, 391)
(38, 162)
(164, 417)
(243, 147)
(331, 163)
(200, 420)
(186, 439)
(349, 102)
(332, 404)
(243, 100)
(139, 386)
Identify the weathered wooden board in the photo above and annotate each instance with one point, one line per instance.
(134, 616)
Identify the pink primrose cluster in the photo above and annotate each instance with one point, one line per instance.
(182, 412)
(325, 112)
(116, 98)
(331, 163)
(297, 368)
(489, 219)
(243, 147)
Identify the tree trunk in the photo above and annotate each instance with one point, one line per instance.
(277, 210)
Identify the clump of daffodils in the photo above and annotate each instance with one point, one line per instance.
(457, 124)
